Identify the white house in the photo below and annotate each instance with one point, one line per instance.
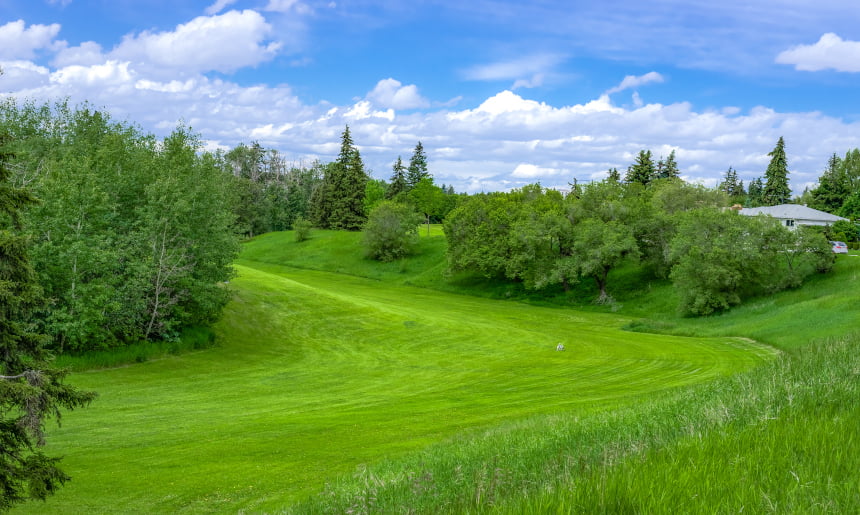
(792, 215)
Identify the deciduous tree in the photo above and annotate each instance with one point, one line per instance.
(391, 231)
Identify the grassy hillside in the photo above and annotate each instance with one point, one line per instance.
(336, 380)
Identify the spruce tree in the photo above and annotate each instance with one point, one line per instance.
(670, 168)
(614, 175)
(754, 193)
(417, 166)
(398, 180)
(730, 184)
(347, 187)
(833, 187)
(31, 389)
(642, 171)
(776, 190)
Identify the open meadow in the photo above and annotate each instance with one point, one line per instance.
(338, 384)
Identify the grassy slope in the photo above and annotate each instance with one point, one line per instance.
(784, 437)
(318, 373)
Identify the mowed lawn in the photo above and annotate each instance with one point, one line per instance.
(317, 373)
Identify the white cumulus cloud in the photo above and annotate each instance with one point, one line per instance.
(18, 41)
(86, 54)
(830, 53)
(224, 42)
(391, 93)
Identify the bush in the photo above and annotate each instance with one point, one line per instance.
(722, 257)
(302, 229)
(391, 231)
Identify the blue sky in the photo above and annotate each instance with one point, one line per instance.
(500, 93)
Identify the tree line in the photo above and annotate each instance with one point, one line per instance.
(133, 237)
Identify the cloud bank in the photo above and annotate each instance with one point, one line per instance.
(501, 141)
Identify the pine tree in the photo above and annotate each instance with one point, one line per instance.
(31, 390)
(642, 171)
(398, 180)
(417, 166)
(776, 190)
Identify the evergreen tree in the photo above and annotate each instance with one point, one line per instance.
(670, 169)
(348, 187)
(398, 182)
(731, 186)
(614, 175)
(642, 171)
(850, 166)
(31, 389)
(833, 187)
(417, 166)
(754, 194)
(776, 190)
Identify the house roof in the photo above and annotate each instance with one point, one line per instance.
(792, 212)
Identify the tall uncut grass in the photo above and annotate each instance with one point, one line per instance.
(782, 438)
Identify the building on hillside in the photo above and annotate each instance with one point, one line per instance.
(792, 215)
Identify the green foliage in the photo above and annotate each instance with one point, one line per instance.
(733, 187)
(391, 231)
(776, 190)
(477, 231)
(642, 171)
(755, 193)
(302, 229)
(398, 184)
(339, 201)
(833, 189)
(31, 388)
(417, 169)
(722, 257)
(374, 193)
(670, 168)
(851, 208)
(430, 200)
(134, 236)
(658, 216)
(849, 231)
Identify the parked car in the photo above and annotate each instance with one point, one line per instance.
(839, 247)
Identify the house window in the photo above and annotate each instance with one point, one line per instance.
(789, 223)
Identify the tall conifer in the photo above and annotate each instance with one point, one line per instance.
(398, 180)
(31, 389)
(417, 166)
(776, 190)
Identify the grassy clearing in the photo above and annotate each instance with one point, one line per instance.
(317, 373)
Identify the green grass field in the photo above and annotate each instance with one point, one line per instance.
(337, 384)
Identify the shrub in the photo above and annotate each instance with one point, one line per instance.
(391, 231)
(302, 229)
